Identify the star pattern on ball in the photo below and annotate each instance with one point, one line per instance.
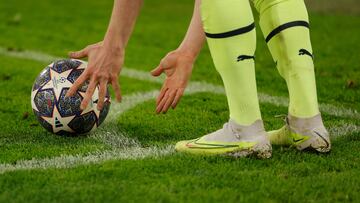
(92, 106)
(57, 123)
(58, 81)
(60, 114)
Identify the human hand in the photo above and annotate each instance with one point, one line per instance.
(177, 67)
(105, 63)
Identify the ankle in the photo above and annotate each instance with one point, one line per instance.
(305, 123)
(254, 129)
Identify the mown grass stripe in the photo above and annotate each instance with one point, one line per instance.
(69, 161)
(124, 147)
(145, 76)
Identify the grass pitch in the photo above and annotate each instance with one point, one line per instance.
(130, 158)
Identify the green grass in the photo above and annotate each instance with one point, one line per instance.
(56, 27)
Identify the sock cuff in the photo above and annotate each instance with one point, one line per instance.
(280, 28)
(239, 31)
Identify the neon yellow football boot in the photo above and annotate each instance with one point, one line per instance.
(232, 140)
(308, 133)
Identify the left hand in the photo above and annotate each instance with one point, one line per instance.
(178, 68)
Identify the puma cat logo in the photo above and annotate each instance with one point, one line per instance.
(245, 57)
(305, 52)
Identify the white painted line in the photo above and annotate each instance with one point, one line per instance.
(135, 99)
(343, 129)
(116, 139)
(129, 102)
(26, 54)
(141, 75)
(124, 147)
(145, 76)
(70, 161)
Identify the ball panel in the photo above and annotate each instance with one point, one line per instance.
(64, 65)
(104, 112)
(74, 75)
(84, 123)
(59, 114)
(42, 122)
(45, 101)
(69, 106)
(42, 79)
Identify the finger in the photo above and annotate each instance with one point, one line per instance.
(162, 103)
(116, 87)
(157, 71)
(81, 80)
(88, 95)
(161, 95)
(169, 101)
(102, 93)
(178, 96)
(79, 54)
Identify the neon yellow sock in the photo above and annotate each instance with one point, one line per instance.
(230, 31)
(285, 26)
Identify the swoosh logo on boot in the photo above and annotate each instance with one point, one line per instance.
(327, 143)
(298, 140)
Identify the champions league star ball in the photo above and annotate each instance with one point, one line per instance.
(59, 114)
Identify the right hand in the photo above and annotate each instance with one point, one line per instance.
(177, 67)
(104, 67)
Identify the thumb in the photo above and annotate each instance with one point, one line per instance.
(79, 54)
(157, 71)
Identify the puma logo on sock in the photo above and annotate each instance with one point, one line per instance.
(245, 57)
(305, 52)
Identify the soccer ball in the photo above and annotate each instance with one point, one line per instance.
(59, 114)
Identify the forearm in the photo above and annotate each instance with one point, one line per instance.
(195, 36)
(122, 22)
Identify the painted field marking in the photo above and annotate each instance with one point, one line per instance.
(145, 76)
(70, 161)
(124, 147)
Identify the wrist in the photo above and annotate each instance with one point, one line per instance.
(189, 54)
(113, 41)
(114, 47)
